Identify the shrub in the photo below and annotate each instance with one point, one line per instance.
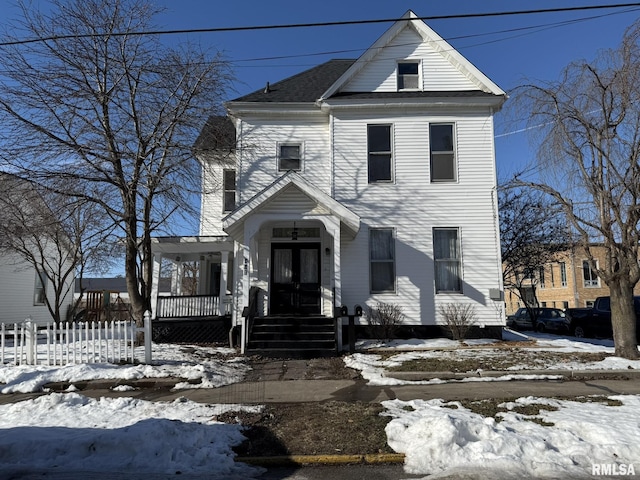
(384, 319)
(459, 318)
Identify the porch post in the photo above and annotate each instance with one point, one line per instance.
(224, 261)
(176, 278)
(155, 284)
(337, 281)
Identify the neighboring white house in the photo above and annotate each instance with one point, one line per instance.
(23, 291)
(357, 182)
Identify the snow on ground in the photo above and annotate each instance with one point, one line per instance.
(373, 367)
(444, 439)
(203, 367)
(69, 432)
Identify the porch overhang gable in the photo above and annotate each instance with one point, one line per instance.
(232, 223)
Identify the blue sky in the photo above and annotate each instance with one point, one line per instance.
(508, 58)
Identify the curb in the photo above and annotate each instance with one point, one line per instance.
(296, 460)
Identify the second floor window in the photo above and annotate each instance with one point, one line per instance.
(442, 153)
(379, 153)
(541, 276)
(589, 274)
(289, 157)
(229, 189)
(563, 274)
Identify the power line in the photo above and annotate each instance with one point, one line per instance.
(317, 24)
(525, 30)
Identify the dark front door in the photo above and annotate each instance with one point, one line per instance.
(295, 278)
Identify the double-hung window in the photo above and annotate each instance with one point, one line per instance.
(408, 75)
(442, 152)
(379, 153)
(229, 189)
(382, 260)
(589, 274)
(289, 157)
(448, 260)
(563, 274)
(39, 291)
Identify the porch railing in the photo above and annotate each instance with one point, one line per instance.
(187, 306)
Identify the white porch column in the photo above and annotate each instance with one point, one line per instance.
(176, 278)
(337, 279)
(155, 284)
(224, 262)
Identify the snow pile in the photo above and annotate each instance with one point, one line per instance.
(68, 432)
(443, 438)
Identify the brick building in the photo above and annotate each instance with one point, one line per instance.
(568, 282)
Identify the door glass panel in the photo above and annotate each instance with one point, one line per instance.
(309, 265)
(282, 265)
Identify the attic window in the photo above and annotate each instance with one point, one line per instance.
(408, 76)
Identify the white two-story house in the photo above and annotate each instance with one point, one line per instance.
(356, 182)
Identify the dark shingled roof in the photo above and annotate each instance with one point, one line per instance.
(304, 87)
(218, 133)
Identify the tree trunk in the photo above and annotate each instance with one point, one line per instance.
(623, 320)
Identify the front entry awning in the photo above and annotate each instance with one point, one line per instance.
(291, 188)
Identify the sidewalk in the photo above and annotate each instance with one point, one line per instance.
(287, 385)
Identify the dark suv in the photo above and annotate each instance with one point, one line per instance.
(546, 320)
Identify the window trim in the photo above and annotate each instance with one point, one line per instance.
(436, 260)
(399, 76)
(393, 260)
(226, 190)
(385, 152)
(279, 157)
(452, 152)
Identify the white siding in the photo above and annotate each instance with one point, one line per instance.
(17, 289)
(258, 158)
(211, 206)
(413, 207)
(438, 74)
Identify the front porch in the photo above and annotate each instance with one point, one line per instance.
(199, 306)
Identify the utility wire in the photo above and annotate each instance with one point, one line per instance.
(524, 30)
(318, 24)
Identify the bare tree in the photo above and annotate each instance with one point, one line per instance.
(55, 235)
(589, 136)
(97, 100)
(533, 230)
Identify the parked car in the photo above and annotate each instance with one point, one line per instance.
(595, 322)
(546, 320)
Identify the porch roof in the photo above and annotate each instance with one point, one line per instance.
(348, 218)
(191, 244)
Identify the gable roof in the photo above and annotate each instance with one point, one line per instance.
(326, 80)
(240, 214)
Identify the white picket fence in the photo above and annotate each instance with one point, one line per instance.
(28, 343)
